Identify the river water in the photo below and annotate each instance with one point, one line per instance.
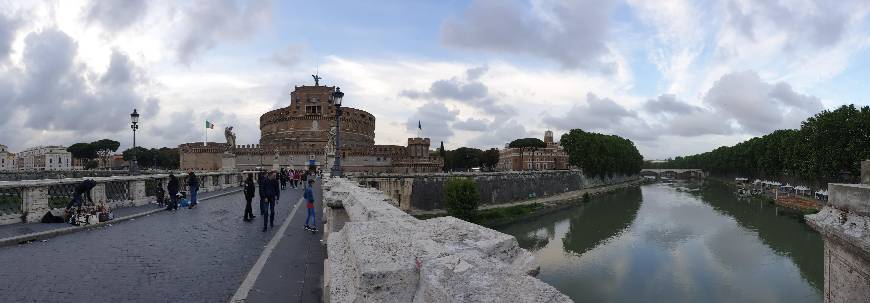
(663, 243)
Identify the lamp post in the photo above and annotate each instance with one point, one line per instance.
(336, 100)
(134, 165)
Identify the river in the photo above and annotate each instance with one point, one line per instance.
(658, 243)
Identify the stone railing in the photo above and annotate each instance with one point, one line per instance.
(28, 201)
(378, 253)
(845, 226)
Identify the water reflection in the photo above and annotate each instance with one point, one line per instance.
(658, 244)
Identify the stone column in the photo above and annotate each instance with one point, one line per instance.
(98, 193)
(136, 192)
(845, 226)
(35, 203)
(206, 184)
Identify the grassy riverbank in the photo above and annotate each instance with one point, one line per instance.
(503, 214)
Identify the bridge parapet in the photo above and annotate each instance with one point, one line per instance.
(845, 225)
(28, 201)
(378, 253)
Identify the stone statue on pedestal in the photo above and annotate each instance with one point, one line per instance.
(330, 142)
(231, 138)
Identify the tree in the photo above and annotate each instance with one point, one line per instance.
(489, 158)
(601, 155)
(82, 151)
(92, 164)
(527, 143)
(461, 198)
(104, 148)
(462, 159)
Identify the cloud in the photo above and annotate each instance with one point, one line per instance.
(470, 91)
(759, 107)
(573, 33)
(208, 22)
(597, 114)
(8, 29)
(115, 15)
(55, 92)
(435, 118)
(471, 124)
(668, 103)
(817, 23)
(500, 133)
(289, 56)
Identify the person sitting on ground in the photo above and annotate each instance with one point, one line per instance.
(83, 188)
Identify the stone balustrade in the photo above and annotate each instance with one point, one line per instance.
(28, 201)
(845, 226)
(378, 253)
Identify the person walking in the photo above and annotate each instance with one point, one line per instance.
(172, 187)
(309, 198)
(295, 179)
(282, 176)
(249, 195)
(271, 192)
(193, 186)
(304, 177)
(160, 194)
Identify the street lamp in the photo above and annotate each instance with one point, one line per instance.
(134, 165)
(336, 100)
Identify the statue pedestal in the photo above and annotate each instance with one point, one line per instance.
(228, 161)
(329, 163)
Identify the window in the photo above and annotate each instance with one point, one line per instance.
(312, 110)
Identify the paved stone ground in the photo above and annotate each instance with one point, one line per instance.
(199, 255)
(18, 229)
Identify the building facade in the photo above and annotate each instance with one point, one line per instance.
(45, 158)
(297, 136)
(551, 157)
(7, 160)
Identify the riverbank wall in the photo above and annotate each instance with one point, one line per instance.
(422, 193)
(845, 224)
(379, 253)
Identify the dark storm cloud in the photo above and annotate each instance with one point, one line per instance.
(573, 33)
(759, 107)
(115, 15)
(208, 22)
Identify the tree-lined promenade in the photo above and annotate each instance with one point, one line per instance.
(828, 147)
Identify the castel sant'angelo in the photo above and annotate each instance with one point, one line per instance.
(299, 136)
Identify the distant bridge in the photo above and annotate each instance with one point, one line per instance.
(674, 172)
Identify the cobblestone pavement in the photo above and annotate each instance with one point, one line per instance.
(198, 255)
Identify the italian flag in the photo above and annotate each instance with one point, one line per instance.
(209, 125)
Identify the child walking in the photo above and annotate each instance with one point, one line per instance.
(309, 197)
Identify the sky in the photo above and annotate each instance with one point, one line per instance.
(676, 77)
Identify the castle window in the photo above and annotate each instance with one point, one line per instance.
(313, 110)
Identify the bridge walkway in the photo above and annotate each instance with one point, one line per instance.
(198, 255)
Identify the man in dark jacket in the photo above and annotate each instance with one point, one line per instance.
(249, 195)
(172, 188)
(83, 188)
(193, 186)
(270, 191)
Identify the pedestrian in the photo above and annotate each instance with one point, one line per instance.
(309, 198)
(295, 179)
(249, 195)
(193, 186)
(304, 177)
(83, 188)
(172, 187)
(282, 176)
(161, 200)
(270, 193)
